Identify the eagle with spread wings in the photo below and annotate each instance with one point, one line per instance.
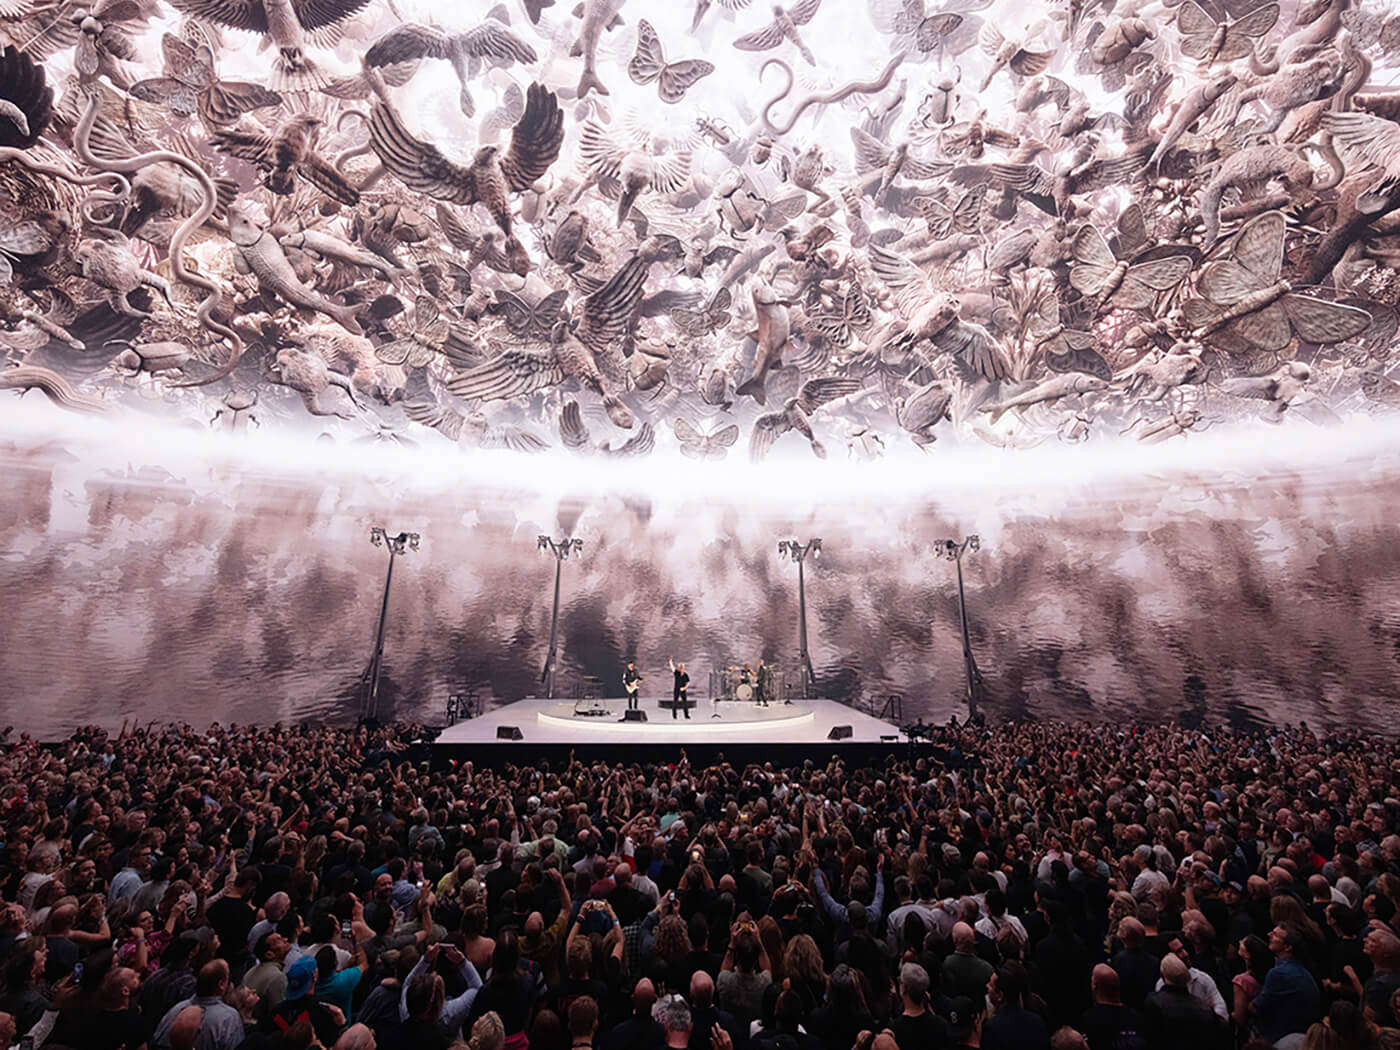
(493, 173)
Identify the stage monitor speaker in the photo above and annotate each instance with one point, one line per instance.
(509, 733)
(634, 716)
(839, 733)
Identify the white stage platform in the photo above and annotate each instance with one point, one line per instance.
(552, 723)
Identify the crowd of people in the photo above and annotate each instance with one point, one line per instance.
(1021, 886)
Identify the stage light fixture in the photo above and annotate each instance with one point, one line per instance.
(561, 549)
(404, 541)
(953, 551)
(798, 553)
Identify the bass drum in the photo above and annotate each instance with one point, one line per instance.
(744, 692)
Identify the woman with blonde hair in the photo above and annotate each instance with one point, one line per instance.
(488, 1033)
(1122, 905)
(803, 970)
(770, 935)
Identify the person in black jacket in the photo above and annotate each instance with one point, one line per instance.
(1013, 1027)
(22, 999)
(1176, 1019)
(640, 1029)
(680, 698)
(1062, 966)
(1108, 1024)
(1136, 967)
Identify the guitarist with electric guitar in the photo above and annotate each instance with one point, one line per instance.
(631, 682)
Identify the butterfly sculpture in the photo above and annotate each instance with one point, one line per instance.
(944, 31)
(712, 317)
(530, 321)
(430, 332)
(1209, 41)
(852, 314)
(672, 78)
(1131, 239)
(1122, 285)
(714, 444)
(191, 85)
(945, 216)
(1067, 349)
(1246, 296)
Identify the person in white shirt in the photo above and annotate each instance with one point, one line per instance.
(1198, 983)
(642, 856)
(1149, 878)
(997, 919)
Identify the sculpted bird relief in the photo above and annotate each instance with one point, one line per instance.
(490, 41)
(493, 173)
(287, 24)
(286, 153)
(604, 319)
(1100, 209)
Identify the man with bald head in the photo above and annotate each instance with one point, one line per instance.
(220, 1026)
(629, 904)
(705, 1016)
(1108, 1024)
(540, 941)
(640, 1029)
(274, 911)
(185, 1030)
(356, 1037)
(964, 971)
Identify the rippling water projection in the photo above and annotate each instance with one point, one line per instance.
(166, 573)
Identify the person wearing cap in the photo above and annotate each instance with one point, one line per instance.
(965, 1018)
(1240, 922)
(300, 1003)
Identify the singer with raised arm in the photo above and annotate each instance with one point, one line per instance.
(631, 681)
(680, 700)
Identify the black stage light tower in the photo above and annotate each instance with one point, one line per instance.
(404, 541)
(798, 553)
(954, 551)
(561, 549)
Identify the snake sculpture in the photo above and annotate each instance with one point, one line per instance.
(822, 98)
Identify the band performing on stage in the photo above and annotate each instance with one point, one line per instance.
(759, 684)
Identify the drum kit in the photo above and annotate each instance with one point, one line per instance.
(741, 684)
